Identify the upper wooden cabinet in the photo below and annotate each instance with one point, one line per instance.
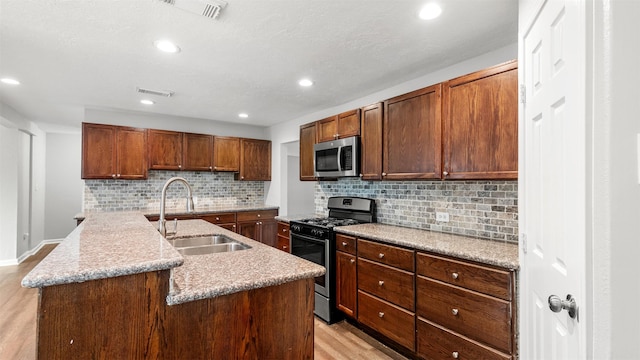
(113, 152)
(371, 140)
(255, 160)
(165, 150)
(412, 135)
(226, 153)
(307, 140)
(339, 126)
(197, 152)
(480, 117)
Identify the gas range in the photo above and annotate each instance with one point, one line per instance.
(319, 227)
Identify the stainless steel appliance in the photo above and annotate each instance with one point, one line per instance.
(314, 239)
(337, 158)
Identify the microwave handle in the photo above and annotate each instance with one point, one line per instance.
(339, 158)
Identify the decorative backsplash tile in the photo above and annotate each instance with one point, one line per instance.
(208, 188)
(485, 209)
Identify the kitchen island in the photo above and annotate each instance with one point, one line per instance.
(115, 288)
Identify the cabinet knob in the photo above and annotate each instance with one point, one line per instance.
(242, 177)
(215, 168)
(284, 230)
(258, 215)
(380, 283)
(384, 174)
(179, 166)
(344, 243)
(455, 355)
(217, 218)
(454, 312)
(285, 247)
(352, 261)
(113, 176)
(210, 167)
(381, 255)
(381, 314)
(445, 173)
(233, 226)
(118, 175)
(360, 175)
(455, 275)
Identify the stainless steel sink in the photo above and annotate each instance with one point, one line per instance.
(212, 249)
(200, 241)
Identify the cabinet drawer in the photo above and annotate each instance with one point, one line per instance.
(392, 321)
(223, 218)
(393, 285)
(483, 279)
(257, 215)
(478, 316)
(386, 254)
(283, 229)
(283, 243)
(435, 342)
(346, 244)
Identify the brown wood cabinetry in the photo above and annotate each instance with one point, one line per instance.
(113, 152)
(388, 319)
(412, 135)
(197, 152)
(226, 153)
(283, 242)
(307, 140)
(224, 220)
(467, 305)
(255, 160)
(346, 286)
(165, 150)
(371, 141)
(480, 117)
(339, 126)
(259, 225)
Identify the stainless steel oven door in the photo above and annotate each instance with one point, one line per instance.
(317, 251)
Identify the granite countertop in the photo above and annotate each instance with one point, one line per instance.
(115, 244)
(289, 218)
(103, 246)
(199, 209)
(211, 275)
(499, 253)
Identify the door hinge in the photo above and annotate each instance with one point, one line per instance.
(523, 94)
(523, 237)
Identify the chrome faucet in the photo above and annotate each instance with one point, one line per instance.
(162, 226)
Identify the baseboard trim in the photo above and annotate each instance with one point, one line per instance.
(33, 251)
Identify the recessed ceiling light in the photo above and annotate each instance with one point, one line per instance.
(430, 11)
(166, 46)
(10, 81)
(305, 82)
(147, 102)
(243, 115)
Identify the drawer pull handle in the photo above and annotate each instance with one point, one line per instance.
(353, 261)
(455, 276)
(455, 354)
(454, 312)
(258, 215)
(380, 282)
(381, 314)
(381, 255)
(285, 247)
(217, 218)
(344, 243)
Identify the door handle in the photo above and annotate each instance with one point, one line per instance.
(556, 304)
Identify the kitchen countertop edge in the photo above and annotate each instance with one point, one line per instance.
(199, 210)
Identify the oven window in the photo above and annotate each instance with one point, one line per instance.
(327, 160)
(312, 250)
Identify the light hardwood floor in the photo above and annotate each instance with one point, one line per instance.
(18, 307)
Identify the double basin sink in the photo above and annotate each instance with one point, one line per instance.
(211, 244)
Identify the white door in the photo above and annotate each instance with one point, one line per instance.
(552, 179)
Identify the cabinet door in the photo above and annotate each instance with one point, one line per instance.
(269, 232)
(165, 150)
(131, 153)
(226, 154)
(307, 140)
(481, 124)
(230, 226)
(197, 152)
(283, 244)
(249, 229)
(255, 160)
(371, 138)
(346, 286)
(98, 151)
(348, 124)
(412, 135)
(327, 129)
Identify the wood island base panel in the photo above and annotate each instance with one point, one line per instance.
(127, 317)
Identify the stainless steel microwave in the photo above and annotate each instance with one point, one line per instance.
(337, 158)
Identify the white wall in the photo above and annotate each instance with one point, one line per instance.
(63, 184)
(290, 130)
(300, 194)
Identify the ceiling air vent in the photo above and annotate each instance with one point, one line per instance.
(155, 92)
(206, 8)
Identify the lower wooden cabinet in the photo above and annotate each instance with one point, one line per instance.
(259, 225)
(388, 319)
(347, 288)
(224, 220)
(283, 241)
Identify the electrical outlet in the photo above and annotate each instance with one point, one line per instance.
(25, 237)
(442, 216)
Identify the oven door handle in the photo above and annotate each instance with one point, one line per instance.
(307, 238)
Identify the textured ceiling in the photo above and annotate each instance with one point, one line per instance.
(75, 54)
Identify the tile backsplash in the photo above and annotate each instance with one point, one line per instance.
(208, 188)
(485, 209)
